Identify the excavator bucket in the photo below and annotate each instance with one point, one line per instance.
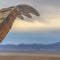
(8, 15)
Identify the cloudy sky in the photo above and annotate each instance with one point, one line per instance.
(44, 30)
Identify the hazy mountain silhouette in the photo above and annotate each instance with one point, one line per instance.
(31, 48)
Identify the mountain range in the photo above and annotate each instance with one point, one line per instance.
(31, 48)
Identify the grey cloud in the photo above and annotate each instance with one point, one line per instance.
(35, 3)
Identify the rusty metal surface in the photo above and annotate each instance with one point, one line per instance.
(4, 13)
(7, 17)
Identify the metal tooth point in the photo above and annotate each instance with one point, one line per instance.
(25, 10)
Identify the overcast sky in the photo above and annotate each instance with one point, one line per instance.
(48, 27)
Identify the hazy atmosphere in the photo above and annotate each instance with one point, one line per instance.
(44, 30)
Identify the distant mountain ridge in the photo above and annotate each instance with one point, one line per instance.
(31, 48)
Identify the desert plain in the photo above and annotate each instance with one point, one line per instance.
(29, 56)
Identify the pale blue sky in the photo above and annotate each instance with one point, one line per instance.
(47, 31)
(46, 37)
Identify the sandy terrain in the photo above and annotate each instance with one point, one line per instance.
(24, 56)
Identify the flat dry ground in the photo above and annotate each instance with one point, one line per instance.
(24, 56)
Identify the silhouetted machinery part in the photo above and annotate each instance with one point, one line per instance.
(8, 15)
